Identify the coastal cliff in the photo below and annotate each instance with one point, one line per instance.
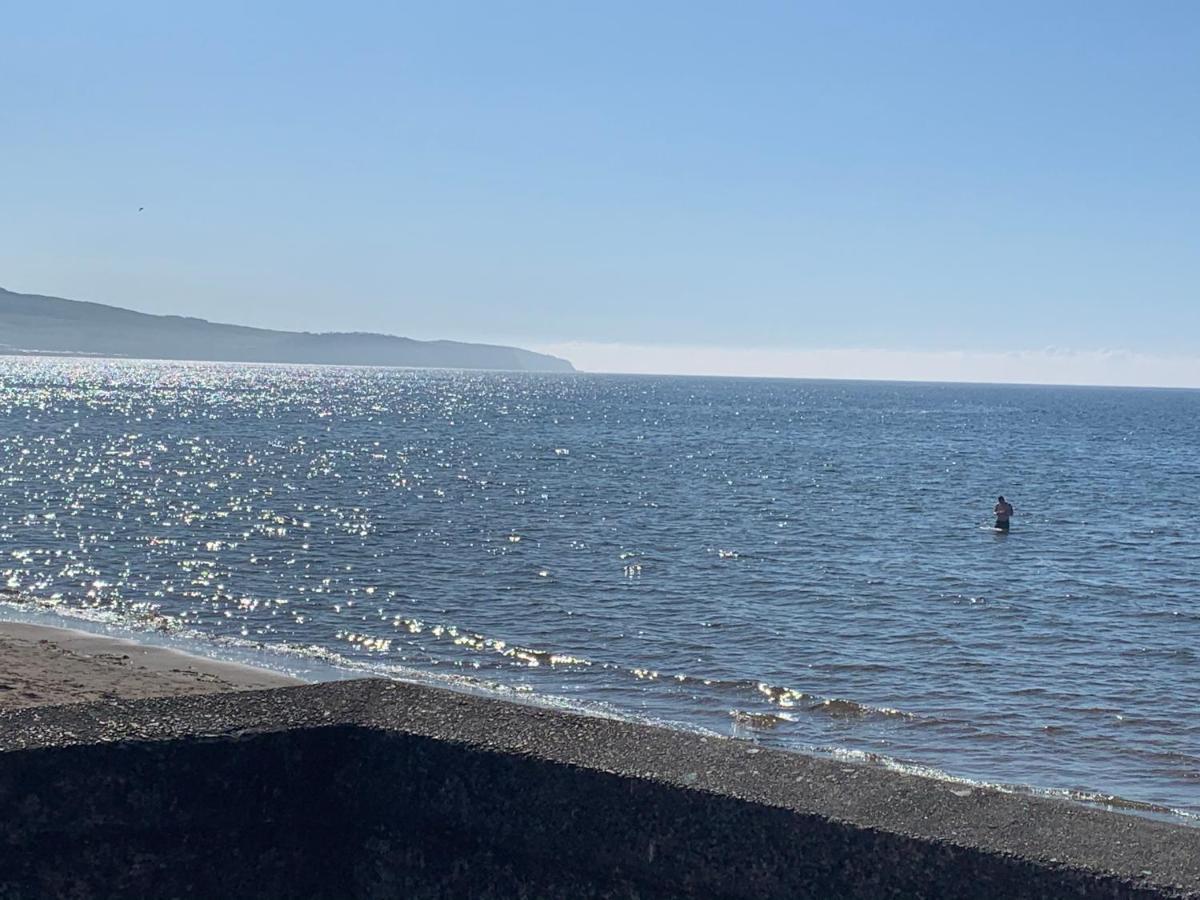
(33, 324)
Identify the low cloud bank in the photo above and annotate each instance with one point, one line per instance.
(1048, 366)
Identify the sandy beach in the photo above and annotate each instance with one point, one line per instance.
(44, 666)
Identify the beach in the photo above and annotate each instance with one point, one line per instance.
(42, 665)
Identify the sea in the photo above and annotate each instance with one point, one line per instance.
(809, 565)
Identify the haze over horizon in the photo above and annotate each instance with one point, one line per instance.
(927, 193)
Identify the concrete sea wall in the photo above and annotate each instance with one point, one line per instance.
(377, 789)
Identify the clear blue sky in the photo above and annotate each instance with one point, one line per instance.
(775, 177)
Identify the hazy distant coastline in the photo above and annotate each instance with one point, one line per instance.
(31, 324)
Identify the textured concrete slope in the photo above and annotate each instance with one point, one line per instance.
(380, 789)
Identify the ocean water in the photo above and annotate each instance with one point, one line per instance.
(805, 564)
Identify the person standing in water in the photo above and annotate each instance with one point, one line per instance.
(1004, 511)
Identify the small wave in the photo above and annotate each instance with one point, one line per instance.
(782, 696)
(758, 720)
(367, 642)
(831, 706)
(137, 616)
(472, 640)
(849, 708)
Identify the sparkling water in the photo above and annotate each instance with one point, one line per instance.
(806, 564)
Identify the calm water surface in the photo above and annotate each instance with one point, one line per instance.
(806, 564)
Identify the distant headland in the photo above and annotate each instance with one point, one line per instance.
(35, 325)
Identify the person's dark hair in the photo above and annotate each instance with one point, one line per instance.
(1001, 498)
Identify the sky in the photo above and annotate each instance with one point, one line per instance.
(940, 190)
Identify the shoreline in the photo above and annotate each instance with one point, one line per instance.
(50, 665)
(137, 728)
(44, 665)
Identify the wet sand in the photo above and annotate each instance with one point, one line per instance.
(45, 666)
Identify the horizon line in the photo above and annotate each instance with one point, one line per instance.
(839, 379)
(1049, 366)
